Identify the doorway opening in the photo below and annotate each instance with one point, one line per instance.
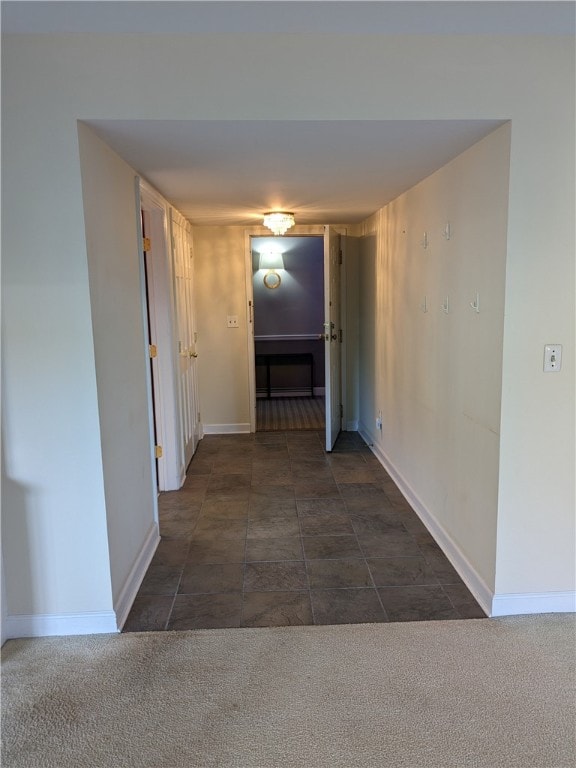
(288, 314)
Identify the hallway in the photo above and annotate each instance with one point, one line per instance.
(269, 530)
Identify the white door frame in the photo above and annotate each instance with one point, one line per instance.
(333, 334)
(248, 235)
(261, 231)
(161, 308)
(343, 326)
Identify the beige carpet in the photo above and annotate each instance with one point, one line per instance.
(493, 693)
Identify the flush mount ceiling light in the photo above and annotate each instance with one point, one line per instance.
(279, 221)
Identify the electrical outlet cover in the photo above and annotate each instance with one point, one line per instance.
(552, 358)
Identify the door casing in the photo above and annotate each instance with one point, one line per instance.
(162, 313)
(303, 231)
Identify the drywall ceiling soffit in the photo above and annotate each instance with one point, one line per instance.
(229, 172)
(327, 17)
(331, 172)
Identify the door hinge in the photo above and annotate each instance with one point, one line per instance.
(341, 410)
(340, 256)
(146, 244)
(152, 351)
(341, 335)
(199, 418)
(157, 451)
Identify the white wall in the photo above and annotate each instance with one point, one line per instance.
(537, 513)
(51, 432)
(438, 378)
(115, 268)
(54, 536)
(220, 276)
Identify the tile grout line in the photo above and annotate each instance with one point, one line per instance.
(167, 624)
(306, 568)
(229, 449)
(245, 558)
(361, 548)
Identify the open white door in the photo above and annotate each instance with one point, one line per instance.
(161, 318)
(183, 290)
(332, 335)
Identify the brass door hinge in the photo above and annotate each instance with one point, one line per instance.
(146, 244)
(158, 451)
(152, 351)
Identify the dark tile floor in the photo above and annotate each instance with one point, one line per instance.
(270, 530)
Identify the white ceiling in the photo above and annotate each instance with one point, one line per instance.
(327, 172)
(393, 17)
(221, 172)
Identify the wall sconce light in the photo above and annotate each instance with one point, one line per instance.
(279, 221)
(271, 261)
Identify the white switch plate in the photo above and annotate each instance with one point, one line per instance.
(552, 358)
(232, 321)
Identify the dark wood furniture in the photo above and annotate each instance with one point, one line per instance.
(279, 359)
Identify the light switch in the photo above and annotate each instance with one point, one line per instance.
(552, 358)
(232, 321)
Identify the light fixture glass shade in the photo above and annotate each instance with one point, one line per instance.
(271, 260)
(279, 221)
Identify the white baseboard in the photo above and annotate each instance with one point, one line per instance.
(466, 571)
(492, 604)
(366, 435)
(123, 603)
(538, 602)
(91, 622)
(226, 429)
(48, 625)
